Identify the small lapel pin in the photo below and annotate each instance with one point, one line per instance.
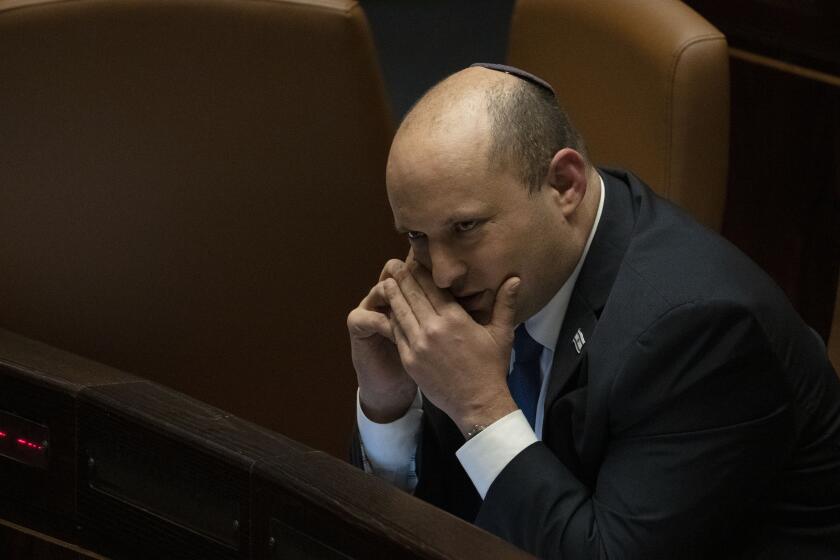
(578, 340)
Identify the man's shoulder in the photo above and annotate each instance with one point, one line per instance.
(672, 260)
(674, 270)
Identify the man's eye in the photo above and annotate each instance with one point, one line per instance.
(414, 235)
(462, 227)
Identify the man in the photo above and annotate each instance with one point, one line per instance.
(662, 399)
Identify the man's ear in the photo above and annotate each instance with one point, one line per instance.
(567, 176)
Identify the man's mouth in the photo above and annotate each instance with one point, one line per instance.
(470, 302)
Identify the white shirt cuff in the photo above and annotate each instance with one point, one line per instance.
(488, 453)
(390, 447)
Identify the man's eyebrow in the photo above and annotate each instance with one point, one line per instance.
(458, 216)
(462, 217)
(468, 215)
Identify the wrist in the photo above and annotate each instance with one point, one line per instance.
(384, 409)
(474, 431)
(481, 416)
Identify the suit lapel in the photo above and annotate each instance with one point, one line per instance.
(580, 322)
(593, 285)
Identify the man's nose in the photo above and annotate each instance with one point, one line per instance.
(446, 267)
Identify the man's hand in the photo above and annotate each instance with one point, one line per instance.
(460, 366)
(385, 390)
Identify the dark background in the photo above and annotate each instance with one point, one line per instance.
(422, 41)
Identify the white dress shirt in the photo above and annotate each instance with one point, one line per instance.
(389, 449)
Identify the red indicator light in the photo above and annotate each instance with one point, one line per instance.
(24, 441)
(29, 444)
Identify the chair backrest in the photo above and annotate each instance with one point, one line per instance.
(834, 338)
(647, 84)
(193, 191)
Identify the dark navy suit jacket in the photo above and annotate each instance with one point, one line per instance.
(700, 419)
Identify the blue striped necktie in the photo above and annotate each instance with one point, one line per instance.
(524, 378)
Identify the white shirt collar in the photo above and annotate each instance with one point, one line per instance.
(544, 326)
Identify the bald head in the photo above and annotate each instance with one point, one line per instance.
(459, 97)
(513, 124)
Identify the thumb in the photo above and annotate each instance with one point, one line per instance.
(504, 309)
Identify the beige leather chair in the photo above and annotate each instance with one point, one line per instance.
(834, 339)
(193, 191)
(645, 81)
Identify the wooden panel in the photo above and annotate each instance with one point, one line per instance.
(148, 472)
(361, 516)
(783, 201)
(20, 543)
(799, 31)
(783, 206)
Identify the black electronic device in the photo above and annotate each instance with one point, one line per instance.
(153, 483)
(38, 446)
(24, 441)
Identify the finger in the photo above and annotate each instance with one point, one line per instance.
(415, 295)
(438, 298)
(401, 311)
(376, 300)
(504, 308)
(390, 269)
(403, 347)
(363, 323)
